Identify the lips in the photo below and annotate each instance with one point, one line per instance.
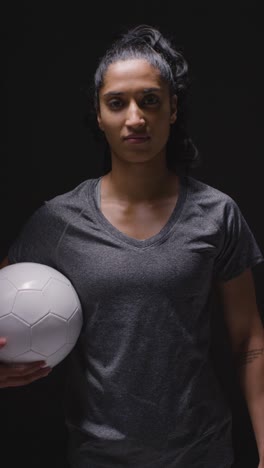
(134, 136)
(136, 140)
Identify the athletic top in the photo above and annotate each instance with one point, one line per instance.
(141, 389)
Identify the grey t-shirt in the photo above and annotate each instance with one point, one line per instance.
(142, 391)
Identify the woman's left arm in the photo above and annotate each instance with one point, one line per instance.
(246, 333)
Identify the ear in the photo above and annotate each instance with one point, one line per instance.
(99, 120)
(174, 101)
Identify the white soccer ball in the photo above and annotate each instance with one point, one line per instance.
(40, 314)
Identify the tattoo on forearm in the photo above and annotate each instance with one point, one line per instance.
(246, 357)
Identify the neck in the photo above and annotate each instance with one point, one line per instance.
(139, 183)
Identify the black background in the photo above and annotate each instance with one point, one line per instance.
(51, 51)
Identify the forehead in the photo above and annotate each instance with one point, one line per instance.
(130, 74)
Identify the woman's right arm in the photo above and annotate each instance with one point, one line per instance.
(16, 375)
(4, 262)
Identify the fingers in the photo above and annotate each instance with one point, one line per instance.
(22, 381)
(22, 374)
(2, 341)
(16, 374)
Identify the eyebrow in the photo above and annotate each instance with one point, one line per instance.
(144, 91)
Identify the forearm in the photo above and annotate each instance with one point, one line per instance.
(250, 370)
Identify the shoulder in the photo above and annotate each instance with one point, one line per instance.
(209, 199)
(42, 231)
(74, 200)
(203, 190)
(62, 208)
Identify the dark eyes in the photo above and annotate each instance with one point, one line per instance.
(149, 100)
(115, 104)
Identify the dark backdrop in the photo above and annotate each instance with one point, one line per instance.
(52, 51)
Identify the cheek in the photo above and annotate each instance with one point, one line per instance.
(111, 122)
(112, 131)
(162, 125)
(111, 126)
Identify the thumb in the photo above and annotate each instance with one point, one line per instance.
(2, 341)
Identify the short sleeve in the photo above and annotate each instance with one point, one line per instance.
(38, 238)
(237, 249)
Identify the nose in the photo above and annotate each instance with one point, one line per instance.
(135, 117)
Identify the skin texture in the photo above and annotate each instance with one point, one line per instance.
(139, 172)
(140, 187)
(246, 333)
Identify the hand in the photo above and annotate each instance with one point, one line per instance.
(16, 375)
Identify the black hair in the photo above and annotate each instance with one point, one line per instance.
(149, 43)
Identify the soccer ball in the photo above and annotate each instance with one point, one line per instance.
(40, 314)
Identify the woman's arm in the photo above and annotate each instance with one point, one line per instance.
(246, 333)
(4, 262)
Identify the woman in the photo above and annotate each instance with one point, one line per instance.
(143, 244)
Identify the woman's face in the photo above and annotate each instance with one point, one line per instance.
(135, 110)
